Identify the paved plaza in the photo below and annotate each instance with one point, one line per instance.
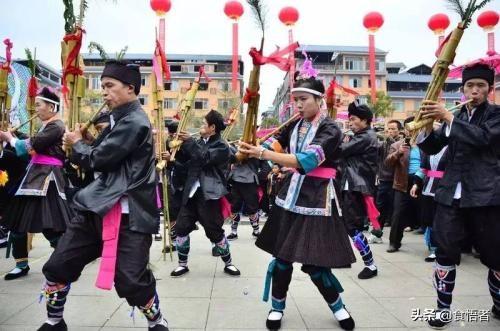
(208, 299)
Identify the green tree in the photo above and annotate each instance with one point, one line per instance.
(269, 122)
(383, 106)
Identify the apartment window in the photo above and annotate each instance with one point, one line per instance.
(144, 80)
(170, 103)
(354, 64)
(213, 90)
(417, 104)
(379, 65)
(377, 81)
(175, 68)
(171, 86)
(203, 87)
(143, 99)
(201, 104)
(225, 85)
(398, 105)
(223, 105)
(354, 82)
(362, 100)
(95, 83)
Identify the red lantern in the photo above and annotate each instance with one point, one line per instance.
(233, 9)
(438, 23)
(488, 19)
(289, 15)
(373, 21)
(161, 7)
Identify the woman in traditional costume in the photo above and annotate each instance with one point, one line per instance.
(40, 203)
(305, 226)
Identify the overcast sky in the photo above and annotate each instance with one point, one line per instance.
(200, 27)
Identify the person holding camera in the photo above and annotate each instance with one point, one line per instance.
(405, 159)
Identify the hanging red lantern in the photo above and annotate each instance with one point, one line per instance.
(161, 7)
(438, 23)
(373, 21)
(488, 19)
(233, 9)
(289, 15)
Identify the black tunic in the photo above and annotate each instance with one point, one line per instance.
(40, 201)
(305, 226)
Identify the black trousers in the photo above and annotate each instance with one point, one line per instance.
(354, 212)
(452, 225)
(20, 242)
(82, 244)
(406, 213)
(244, 193)
(385, 201)
(207, 212)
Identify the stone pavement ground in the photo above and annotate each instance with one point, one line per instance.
(208, 299)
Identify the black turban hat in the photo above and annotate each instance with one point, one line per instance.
(478, 71)
(126, 72)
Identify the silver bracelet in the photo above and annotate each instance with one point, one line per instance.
(262, 149)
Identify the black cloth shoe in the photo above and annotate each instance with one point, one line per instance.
(347, 324)
(158, 327)
(167, 249)
(22, 273)
(367, 273)
(392, 249)
(230, 271)
(61, 326)
(274, 324)
(441, 320)
(215, 251)
(232, 236)
(179, 271)
(495, 312)
(158, 237)
(377, 233)
(430, 258)
(256, 234)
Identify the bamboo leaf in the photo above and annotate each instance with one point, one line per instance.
(83, 7)
(96, 46)
(31, 61)
(69, 16)
(121, 54)
(259, 13)
(457, 6)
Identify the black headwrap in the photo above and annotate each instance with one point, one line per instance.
(126, 72)
(482, 71)
(361, 111)
(213, 117)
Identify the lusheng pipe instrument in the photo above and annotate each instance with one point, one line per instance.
(92, 118)
(279, 128)
(414, 126)
(185, 109)
(14, 129)
(446, 54)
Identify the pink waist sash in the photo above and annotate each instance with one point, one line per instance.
(433, 173)
(321, 172)
(110, 234)
(46, 160)
(225, 207)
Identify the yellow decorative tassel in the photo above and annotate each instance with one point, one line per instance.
(4, 178)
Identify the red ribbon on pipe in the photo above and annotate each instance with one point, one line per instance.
(69, 68)
(249, 94)
(163, 60)
(276, 58)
